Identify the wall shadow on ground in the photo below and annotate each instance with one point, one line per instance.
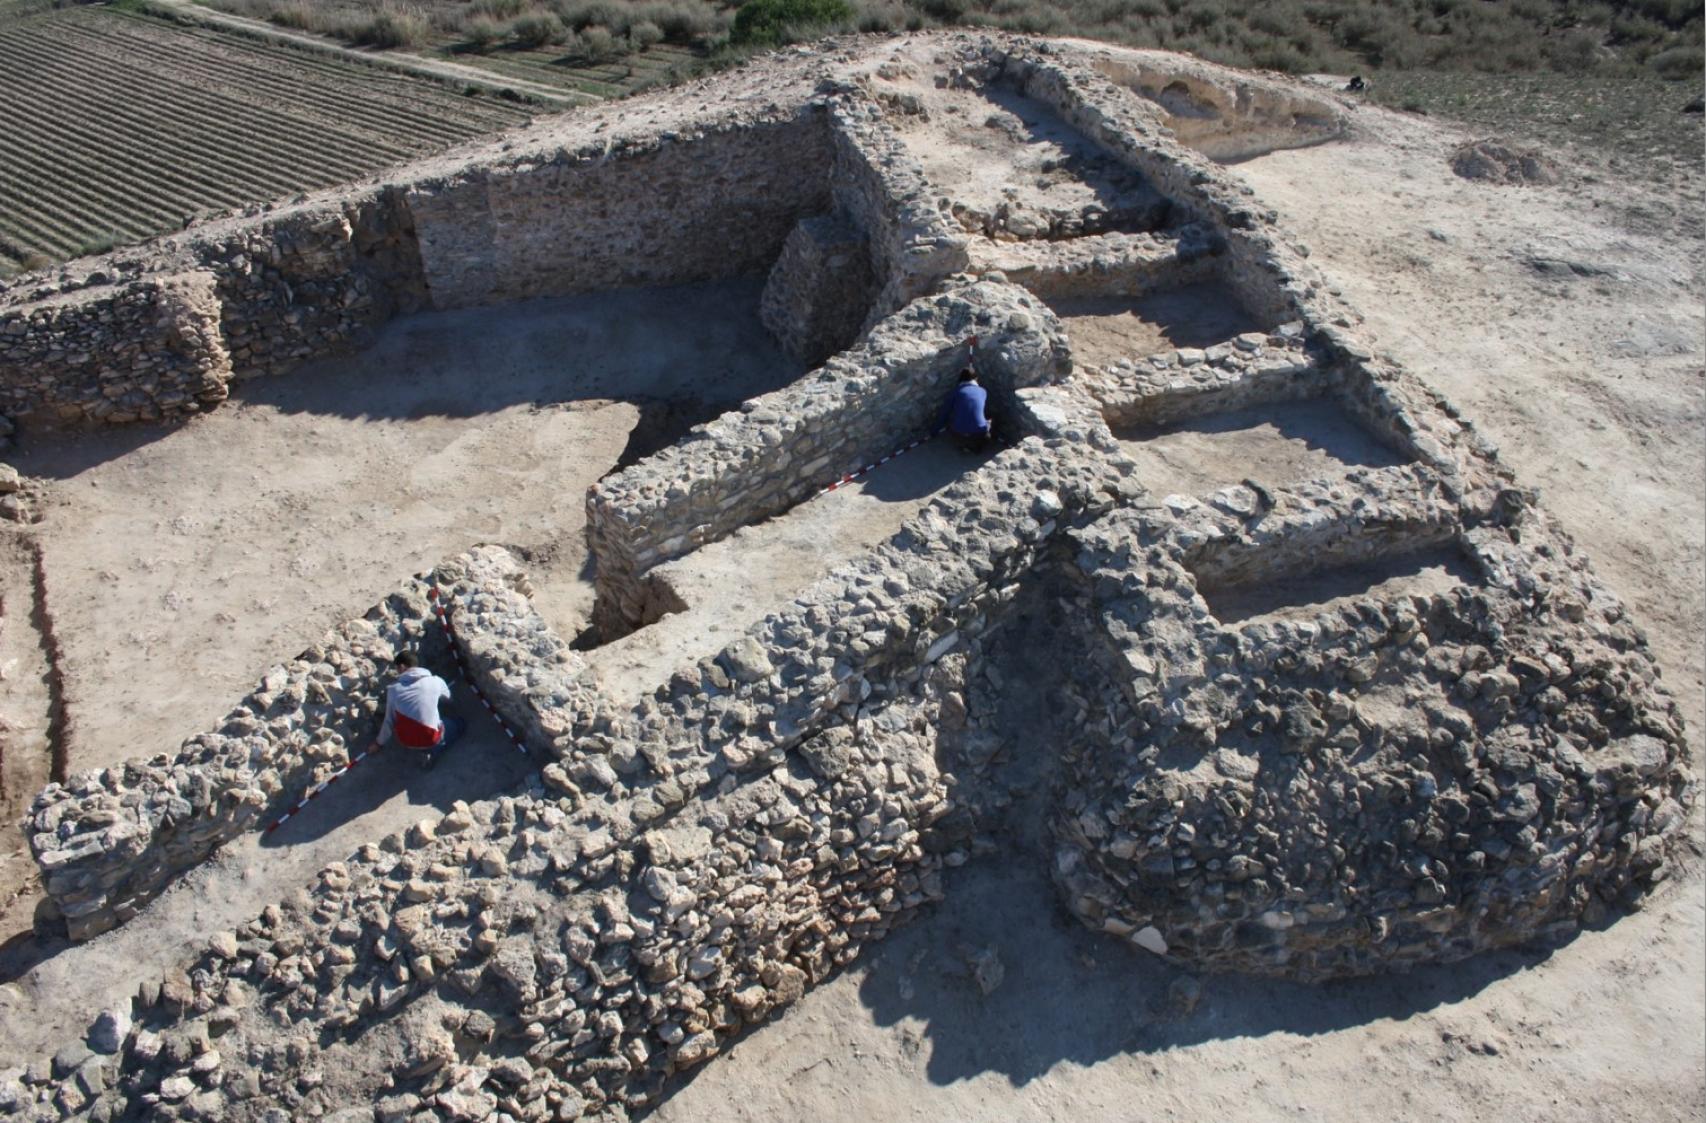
(700, 347)
(1071, 995)
(482, 764)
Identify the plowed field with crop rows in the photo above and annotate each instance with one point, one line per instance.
(117, 126)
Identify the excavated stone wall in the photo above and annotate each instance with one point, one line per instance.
(110, 840)
(1271, 279)
(1405, 780)
(687, 868)
(1105, 264)
(657, 209)
(117, 353)
(161, 338)
(882, 190)
(1399, 778)
(783, 447)
(818, 291)
(258, 298)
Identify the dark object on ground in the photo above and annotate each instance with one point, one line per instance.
(1356, 85)
(1493, 162)
(1698, 105)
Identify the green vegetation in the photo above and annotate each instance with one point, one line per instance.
(1660, 38)
(769, 23)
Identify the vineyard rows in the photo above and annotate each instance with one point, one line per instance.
(117, 126)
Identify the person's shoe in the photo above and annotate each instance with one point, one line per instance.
(428, 758)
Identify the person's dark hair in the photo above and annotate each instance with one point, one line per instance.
(405, 660)
(968, 375)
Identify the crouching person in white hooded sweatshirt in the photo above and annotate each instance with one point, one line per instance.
(411, 712)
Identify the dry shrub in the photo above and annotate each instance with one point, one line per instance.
(389, 28)
(537, 29)
(644, 34)
(597, 44)
(482, 34)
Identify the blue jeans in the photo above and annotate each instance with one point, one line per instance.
(454, 727)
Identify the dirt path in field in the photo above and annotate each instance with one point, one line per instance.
(183, 562)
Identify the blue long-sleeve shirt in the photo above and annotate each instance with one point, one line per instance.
(964, 412)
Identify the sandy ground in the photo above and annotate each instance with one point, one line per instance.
(1275, 445)
(1107, 328)
(183, 562)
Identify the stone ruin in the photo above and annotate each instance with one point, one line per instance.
(1400, 778)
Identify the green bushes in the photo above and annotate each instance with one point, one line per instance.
(597, 44)
(482, 34)
(387, 29)
(1678, 63)
(770, 23)
(536, 30)
(1607, 37)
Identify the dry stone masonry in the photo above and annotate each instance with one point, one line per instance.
(1392, 779)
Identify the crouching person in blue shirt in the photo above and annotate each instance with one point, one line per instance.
(964, 414)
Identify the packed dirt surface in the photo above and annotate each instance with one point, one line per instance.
(183, 562)
(1274, 445)
(1107, 328)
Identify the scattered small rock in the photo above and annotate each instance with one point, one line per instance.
(109, 1031)
(1492, 162)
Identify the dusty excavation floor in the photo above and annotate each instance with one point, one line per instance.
(1105, 329)
(1275, 445)
(1010, 167)
(181, 563)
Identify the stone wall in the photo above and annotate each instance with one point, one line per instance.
(143, 351)
(110, 840)
(1104, 264)
(783, 447)
(882, 189)
(313, 281)
(653, 209)
(816, 298)
(685, 869)
(159, 335)
(1189, 382)
(256, 298)
(1401, 781)
(1270, 277)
